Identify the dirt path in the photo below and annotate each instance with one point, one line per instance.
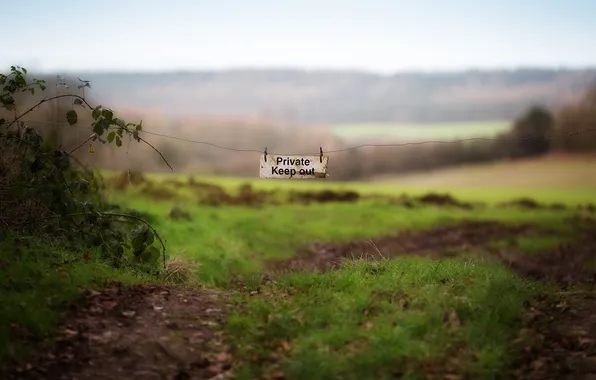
(445, 241)
(138, 332)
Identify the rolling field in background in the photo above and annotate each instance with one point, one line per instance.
(418, 132)
(550, 179)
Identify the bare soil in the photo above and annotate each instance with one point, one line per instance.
(440, 242)
(137, 332)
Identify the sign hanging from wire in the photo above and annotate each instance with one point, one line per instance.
(294, 167)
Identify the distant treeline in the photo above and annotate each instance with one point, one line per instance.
(338, 97)
(538, 131)
(549, 128)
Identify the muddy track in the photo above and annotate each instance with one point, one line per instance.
(137, 332)
(564, 265)
(440, 242)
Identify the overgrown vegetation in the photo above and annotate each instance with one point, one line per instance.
(53, 213)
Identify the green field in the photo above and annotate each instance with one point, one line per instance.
(418, 132)
(408, 315)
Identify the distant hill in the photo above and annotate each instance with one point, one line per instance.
(343, 97)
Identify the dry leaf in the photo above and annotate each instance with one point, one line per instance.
(110, 305)
(285, 345)
(537, 364)
(277, 376)
(223, 357)
(452, 320)
(70, 332)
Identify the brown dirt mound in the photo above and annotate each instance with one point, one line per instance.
(247, 196)
(138, 332)
(442, 200)
(436, 242)
(531, 204)
(203, 185)
(323, 196)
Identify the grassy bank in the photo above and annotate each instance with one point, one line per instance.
(406, 317)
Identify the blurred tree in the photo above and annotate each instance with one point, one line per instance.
(576, 117)
(537, 122)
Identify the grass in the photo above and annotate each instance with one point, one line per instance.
(234, 240)
(362, 321)
(419, 132)
(369, 320)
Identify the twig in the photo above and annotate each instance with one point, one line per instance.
(45, 100)
(158, 152)
(81, 144)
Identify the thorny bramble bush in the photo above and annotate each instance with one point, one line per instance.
(43, 195)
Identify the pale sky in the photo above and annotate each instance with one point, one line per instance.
(373, 35)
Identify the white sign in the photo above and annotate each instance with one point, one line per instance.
(294, 167)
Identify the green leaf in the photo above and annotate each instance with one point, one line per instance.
(140, 126)
(150, 239)
(153, 253)
(100, 126)
(119, 122)
(8, 103)
(96, 112)
(118, 141)
(72, 117)
(111, 136)
(24, 70)
(138, 242)
(108, 114)
(78, 102)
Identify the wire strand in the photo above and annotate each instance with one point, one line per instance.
(410, 143)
